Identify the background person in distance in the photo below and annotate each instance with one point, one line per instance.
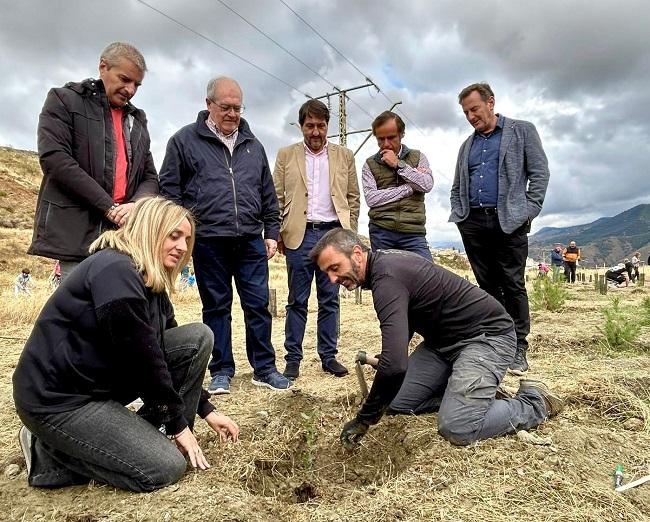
(317, 190)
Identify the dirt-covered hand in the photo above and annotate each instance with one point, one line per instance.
(352, 432)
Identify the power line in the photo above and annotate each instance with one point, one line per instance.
(200, 35)
(243, 18)
(367, 78)
(278, 44)
(325, 40)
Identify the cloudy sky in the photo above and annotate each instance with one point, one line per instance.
(579, 70)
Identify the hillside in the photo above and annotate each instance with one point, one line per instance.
(607, 240)
(604, 241)
(20, 177)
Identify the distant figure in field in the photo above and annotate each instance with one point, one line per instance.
(22, 285)
(106, 337)
(498, 189)
(468, 343)
(542, 269)
(55, 277)
(556, 257)
(636, 262)
(185, 275)
(93, 147)
(571, 256)
(629, 268)
(617, 275)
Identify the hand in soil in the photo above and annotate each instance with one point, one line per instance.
(223, 426)
(352, 432)
(188, 445)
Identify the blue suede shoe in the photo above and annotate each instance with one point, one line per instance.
(274, 381)
(219, 385)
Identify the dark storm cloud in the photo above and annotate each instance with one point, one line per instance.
(579, 71)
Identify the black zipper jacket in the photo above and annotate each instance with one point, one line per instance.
(77, 153)
(229, 195)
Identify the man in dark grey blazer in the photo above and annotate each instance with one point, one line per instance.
(499, 187)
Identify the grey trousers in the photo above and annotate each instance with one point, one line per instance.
(462, 390)
(105, 441)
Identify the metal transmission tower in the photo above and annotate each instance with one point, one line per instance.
(343, 132)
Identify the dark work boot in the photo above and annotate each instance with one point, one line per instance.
(553, 402)
(519, 365)
(292, 370)
(335, 368)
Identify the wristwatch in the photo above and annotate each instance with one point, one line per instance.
(401, 164)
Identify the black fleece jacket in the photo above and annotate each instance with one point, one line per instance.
(99, 337)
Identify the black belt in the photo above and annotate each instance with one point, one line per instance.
(490, 211)
(322, 225)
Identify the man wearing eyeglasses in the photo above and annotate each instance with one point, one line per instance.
(218, 169)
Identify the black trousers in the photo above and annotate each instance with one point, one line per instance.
(570, 271)
(498, 261)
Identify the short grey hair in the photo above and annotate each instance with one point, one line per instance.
(113, 52)
(214, 83)
(341, 239)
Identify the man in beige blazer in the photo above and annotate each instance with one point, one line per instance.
(317, 189)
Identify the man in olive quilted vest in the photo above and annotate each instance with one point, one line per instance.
(394, 182)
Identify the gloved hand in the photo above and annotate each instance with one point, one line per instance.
(352, 432)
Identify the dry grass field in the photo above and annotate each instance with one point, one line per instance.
(289, 465)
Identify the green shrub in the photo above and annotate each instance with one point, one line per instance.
(548, 293)
(619, 329)
(645, 312)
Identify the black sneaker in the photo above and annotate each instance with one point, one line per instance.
(554, 403)
(519, 365)
(335, 368)
(292, 370)
(26, 439)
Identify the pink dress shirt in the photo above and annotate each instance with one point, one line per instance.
(319, 202)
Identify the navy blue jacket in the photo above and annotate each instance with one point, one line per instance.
(229, 196)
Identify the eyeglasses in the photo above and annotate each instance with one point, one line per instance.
(225, 109)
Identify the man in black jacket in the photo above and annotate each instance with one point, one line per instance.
(93, 147)
(216, 168)
(469, 341)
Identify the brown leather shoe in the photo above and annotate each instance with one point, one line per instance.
(335, 368)
(554, 403)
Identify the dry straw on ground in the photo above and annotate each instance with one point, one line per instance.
(290, 466)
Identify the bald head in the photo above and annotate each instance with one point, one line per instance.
(222, 84)
(224, 101)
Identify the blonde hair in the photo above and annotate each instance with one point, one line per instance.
(150, 222)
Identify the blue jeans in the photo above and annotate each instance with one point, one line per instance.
(301, 271)
(463, 391)
(104, 441)
(217, 261)
(384, 239)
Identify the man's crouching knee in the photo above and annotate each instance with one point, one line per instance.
(455, 434)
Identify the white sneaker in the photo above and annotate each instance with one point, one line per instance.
(26, 440)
